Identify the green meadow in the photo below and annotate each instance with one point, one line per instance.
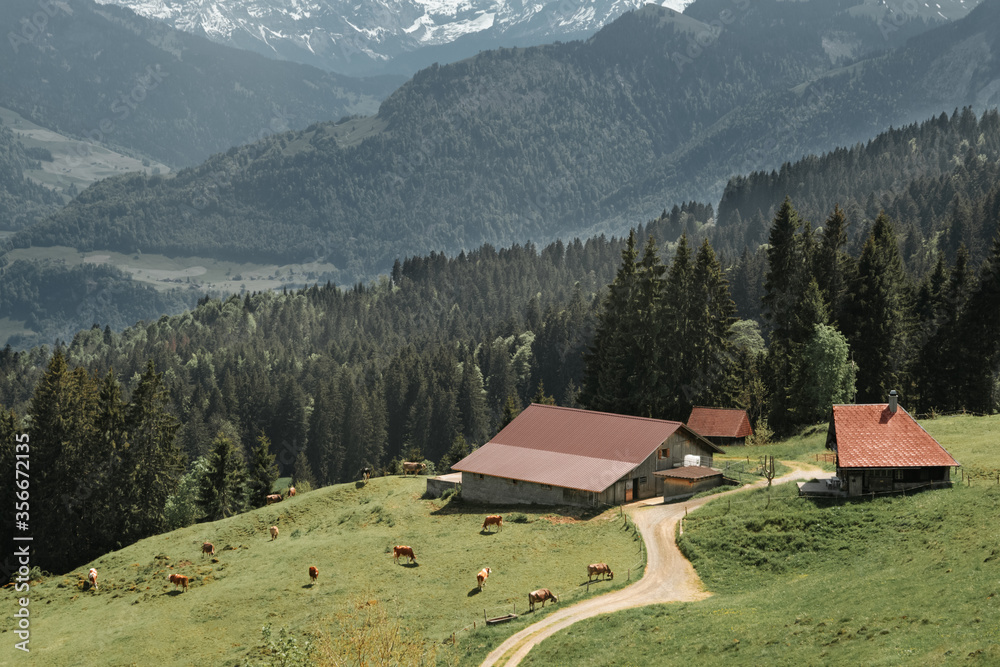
(897, 580)
(136, 616)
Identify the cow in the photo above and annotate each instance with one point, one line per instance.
(481, 577)
(274, 532)
(541, 595)
(402, 551)
(208, 548)
(179, 580)
(599, 569)
(415, 468)
(493, 520)
(313, 573)
(365, 473)
(274, 498)
(92, 578)
(291, 492)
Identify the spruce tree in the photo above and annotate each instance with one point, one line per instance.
(880, 328)
(979, 342)
(223, 488)
(832, 265)
(262, 472)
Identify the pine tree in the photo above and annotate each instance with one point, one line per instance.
(541, 397)
(880, 328)
(223, 488)
(510, 410)
(980, 344)
(832, 265)
(302, 475)
(472, 402)
(262, 472)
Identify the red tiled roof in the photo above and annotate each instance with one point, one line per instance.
(869, 436)
(576, 449)
(719, 422)
(689, 472)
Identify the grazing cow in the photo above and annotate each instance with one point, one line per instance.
(415, 468)
(92, 578)
(274, 532)
(179, 580)
(541, 595)
(599, 569)
(407, 552)
(365, 473)
(291, 492)
(313, 573)
(481, 577)
(274, 498)
(493, 520)
(208, 548)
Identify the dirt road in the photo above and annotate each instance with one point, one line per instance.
(669, 577)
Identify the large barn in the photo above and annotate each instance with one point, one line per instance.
(722, 426)
(880, 449)
(561, 456)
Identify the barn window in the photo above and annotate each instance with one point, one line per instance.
(546, 486)
(665, 453)
(513, 481)
(899, 474)
(642, 480)
(482, 476)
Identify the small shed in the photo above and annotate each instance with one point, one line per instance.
(721, 426)
(684, 482)
(881, 448)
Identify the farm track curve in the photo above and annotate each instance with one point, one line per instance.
(669, 577)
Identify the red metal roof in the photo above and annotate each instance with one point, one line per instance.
(719, 422)
(576, 449)
(869, 436)
(689, 472)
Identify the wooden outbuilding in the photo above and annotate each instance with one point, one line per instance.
(562, 456)
(721, 426)
(685, 482)
(881, 448)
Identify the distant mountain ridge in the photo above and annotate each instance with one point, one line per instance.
(384, 36)
(541, 143)
(103, 74)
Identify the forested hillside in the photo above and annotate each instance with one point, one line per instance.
(103, 74)
(21, 201)
(510, 145)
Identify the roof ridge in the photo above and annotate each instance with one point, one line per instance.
(609, 414)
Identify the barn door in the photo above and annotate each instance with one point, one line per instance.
(628, 490)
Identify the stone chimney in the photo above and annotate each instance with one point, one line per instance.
(893, 401)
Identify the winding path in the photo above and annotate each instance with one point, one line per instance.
(669, 577)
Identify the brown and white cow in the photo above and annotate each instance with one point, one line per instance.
(208, 548)
(313, 573)
(92, 578)
(291, 492)
(599, 569)
(179, 580)
(274, 532)
(415, 468)
(403, 552)
(481, 577)
(493, 520)
(274, 498)
(541, 595)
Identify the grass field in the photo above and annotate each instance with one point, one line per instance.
(898, 580)
(74, 162)
(347, 532)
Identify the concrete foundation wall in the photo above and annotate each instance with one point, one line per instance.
(501, 490)
(436, 486)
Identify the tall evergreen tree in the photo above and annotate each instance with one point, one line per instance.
(980, 344)
(880, 328)
(832, 265)
(223, 488)
(262, 472)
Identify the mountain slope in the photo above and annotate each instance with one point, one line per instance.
(512, 144)
(383, 36)
(21, 200)
(101, 73)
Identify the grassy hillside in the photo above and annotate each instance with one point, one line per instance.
(905, 580)
(137, 618)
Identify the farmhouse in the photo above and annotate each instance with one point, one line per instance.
(722, 426)
(561, 456)
(880, 448)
